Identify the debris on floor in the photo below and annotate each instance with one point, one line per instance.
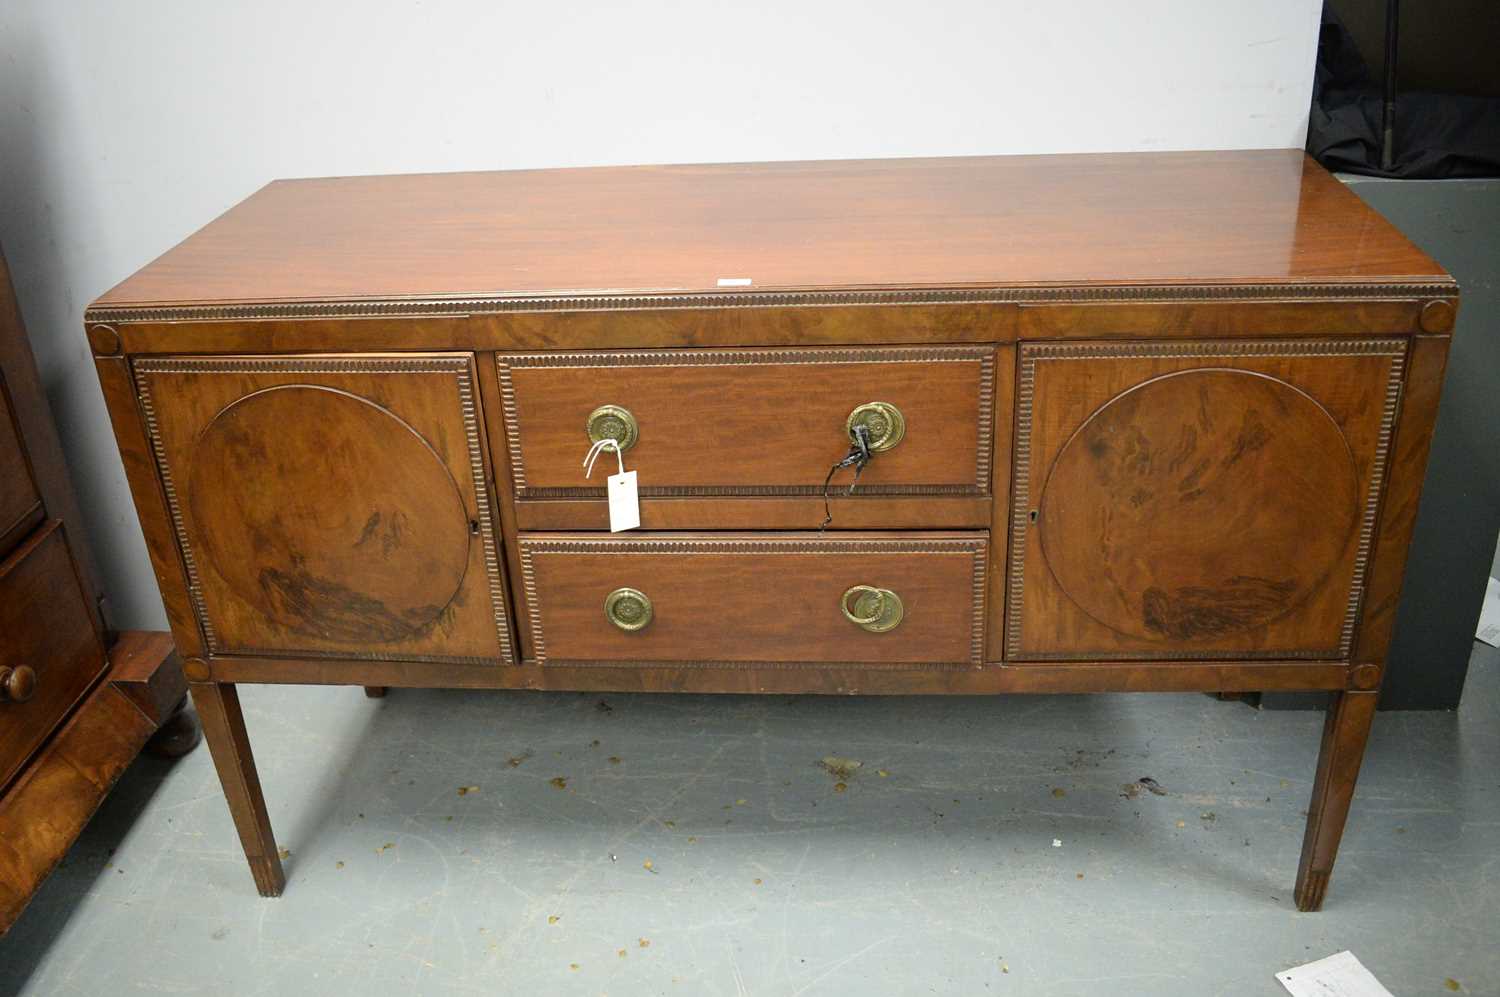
(842, 769)
(1132, 790)
(466, 790)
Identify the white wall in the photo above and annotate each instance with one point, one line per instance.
(126, 125)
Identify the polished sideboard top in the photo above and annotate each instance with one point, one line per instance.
(942, 230)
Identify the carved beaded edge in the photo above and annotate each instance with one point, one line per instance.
(983, 355)
(484, 305)
(458, 366)
(1030, 353)
(977, 549)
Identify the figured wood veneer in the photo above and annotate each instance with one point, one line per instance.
(366, 525)
(1197, 499)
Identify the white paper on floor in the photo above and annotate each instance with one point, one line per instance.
(1339, 975)
(1489, 616)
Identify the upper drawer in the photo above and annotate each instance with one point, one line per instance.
(750, 422)
(20, 505)
(47, 630)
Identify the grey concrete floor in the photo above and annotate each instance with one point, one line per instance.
(694, 845)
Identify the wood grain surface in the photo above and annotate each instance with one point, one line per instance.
(728, 599)
(1203, 500)
(331, 505)
(45, 625)
(748, 422)
(1259, 216)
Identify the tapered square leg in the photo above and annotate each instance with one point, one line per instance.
(1345, 732)
(375, 691)
(224, 728)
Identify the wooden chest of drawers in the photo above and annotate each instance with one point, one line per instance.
(1140, 422)
(77, 702)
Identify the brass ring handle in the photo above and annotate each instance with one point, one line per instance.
(876, 610)
(883, 422)
(628, 609)
(611, 422)
(17, 684)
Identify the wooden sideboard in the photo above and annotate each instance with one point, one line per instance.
(1139, 423)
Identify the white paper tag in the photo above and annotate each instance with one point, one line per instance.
(1339, 975)
(735, 281)
(624, 507)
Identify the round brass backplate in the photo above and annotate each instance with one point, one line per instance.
(882, 421)
(611, 422)
(873, 609)
(627, 609)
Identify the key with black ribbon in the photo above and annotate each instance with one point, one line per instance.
(858, 456)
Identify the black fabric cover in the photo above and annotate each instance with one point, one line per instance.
(1437, 136)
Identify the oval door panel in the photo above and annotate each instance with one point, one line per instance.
(329, 513)
(1199, 504)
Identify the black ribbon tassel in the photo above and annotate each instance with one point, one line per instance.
(858, 456)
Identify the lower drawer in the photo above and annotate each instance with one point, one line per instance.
(885, 600)
(46, 628)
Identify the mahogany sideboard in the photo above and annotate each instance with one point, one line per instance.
(1148, 422)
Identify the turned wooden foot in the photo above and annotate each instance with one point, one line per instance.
(224, 727)
(178, 735)
(1345, 732)
(375, 691)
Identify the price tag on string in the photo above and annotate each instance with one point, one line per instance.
(624, 503)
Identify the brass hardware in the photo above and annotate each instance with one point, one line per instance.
(17, 684)
(882, 420)
(875, 610)
(627, 609)
(611, 422)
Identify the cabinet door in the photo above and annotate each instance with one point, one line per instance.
(330, 506)
(1196, 500)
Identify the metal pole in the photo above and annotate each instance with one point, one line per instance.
(1388, 116)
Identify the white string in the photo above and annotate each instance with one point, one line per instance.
(608, 443)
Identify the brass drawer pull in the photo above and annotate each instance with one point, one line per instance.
(627, 609)
(17, 684)
(875, 610)
(611, 422)
(882, 420)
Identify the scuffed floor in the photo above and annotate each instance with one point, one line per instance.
(469, 842)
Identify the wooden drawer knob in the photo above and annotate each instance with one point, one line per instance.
(875, 610)
(17, 684)
(627, 609)
(883, 422)
(611, 422)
